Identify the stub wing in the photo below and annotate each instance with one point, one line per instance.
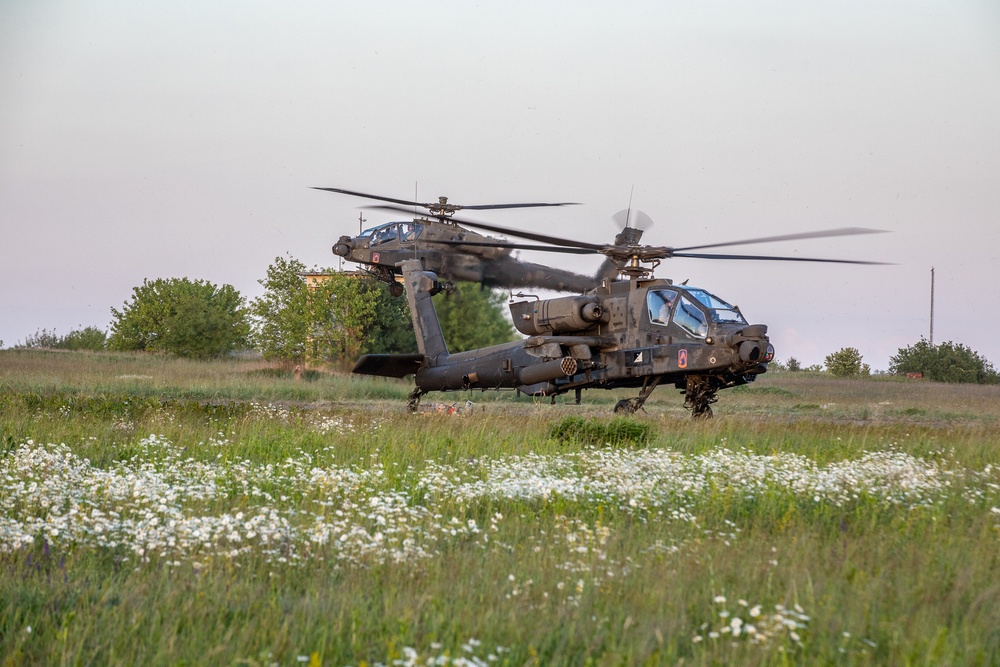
(389, 365)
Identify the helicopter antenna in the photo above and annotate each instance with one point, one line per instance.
(932, 307)
(633, 277)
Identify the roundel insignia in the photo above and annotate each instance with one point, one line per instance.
(375, 257)
(682, 358)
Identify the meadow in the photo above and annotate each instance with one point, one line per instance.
(158, 511)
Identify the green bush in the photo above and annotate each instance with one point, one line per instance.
(846, 363)
(88, 338)
(189, 318)
(618, 430)
(42, 338)
(947, 362)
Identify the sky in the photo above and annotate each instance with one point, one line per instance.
(171, 140)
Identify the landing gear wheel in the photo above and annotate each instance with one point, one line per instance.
(624, 407)
(395, 289)
(630, 406)
(701, 412)
(699, 396)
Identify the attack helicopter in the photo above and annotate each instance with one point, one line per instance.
(451, 251)
(636, 332)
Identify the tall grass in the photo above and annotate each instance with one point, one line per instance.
(345, 531)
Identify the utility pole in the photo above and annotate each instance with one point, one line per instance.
(932, 307)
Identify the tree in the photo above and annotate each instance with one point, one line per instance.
(327, 318)
(392, 330)
(337, 316)
(184, 317)
(473, 317)
(846, 363)
(281, 316)
(776, 366)
(343, 310)
(793, 365)
(947, 362)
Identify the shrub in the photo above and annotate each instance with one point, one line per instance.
(846, 363)
(595, 431)
(947, 362)
(88, 338)
(189, 318)
(42, 338)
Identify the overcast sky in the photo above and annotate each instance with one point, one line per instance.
(158, 140)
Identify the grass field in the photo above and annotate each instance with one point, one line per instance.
(156, 511)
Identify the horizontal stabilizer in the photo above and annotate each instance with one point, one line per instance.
(389, 365)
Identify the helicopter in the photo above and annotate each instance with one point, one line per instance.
(451, 251)
(634, 332)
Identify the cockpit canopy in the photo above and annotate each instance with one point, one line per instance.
(690, 308)
(720, 310)
(407, 232)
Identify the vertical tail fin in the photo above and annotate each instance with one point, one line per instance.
(420, 287)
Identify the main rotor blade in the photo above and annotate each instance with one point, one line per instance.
(531, 236)
(367, 196)
(844, 231)
(519, 246)
(455, 207)
(700, 255)
(483, 207)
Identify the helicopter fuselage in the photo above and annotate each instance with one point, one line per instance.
(633, 333)
(646, 328)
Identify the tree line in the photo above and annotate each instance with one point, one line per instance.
(326, 317)
(317, 317)
(945, 362)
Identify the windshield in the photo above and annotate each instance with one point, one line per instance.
(719, 309)
(368, 232)
(688, 316)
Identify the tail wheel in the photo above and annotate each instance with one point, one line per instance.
(413, 400)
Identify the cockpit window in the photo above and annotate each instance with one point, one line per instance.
(719, 309)
(374, 231)
(383, 234)
(658, 303)
(410, 231)
(690, 317)
(390, 231)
